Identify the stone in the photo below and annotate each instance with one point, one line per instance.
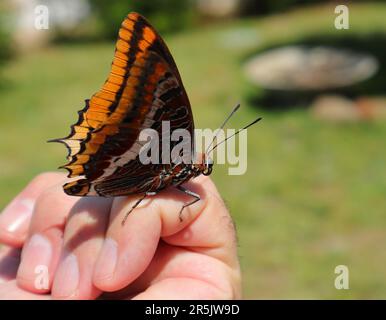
(335, 108)
(303, 68)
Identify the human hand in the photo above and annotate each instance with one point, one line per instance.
(88, 253)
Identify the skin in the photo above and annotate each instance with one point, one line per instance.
(89, 254)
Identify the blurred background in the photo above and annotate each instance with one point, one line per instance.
(314, 194)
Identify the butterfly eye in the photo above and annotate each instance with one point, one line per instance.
(208, 167)
(207, 171)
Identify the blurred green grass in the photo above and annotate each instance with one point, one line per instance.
(314, 194)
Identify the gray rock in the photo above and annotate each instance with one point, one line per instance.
(316, 68)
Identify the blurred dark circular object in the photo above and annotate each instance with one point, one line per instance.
(301, 68)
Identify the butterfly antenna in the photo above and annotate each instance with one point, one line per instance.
(236, 133)
(223, 125)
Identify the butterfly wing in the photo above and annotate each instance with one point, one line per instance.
(143, 89)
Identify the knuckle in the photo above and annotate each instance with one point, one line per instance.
(43, 178)
(48, 196)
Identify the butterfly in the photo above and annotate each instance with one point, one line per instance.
(143, 89)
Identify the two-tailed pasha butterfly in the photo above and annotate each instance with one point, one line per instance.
(144, 88)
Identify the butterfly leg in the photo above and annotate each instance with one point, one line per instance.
(134, 206)
(192, 194)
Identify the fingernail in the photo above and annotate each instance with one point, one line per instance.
(36, 253)
(107, 260)
(15, 216)
(67, 278)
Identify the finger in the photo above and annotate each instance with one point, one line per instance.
(83, 238)
(128, 249)
(15, 218)
(212, 233)
(10, 291)
(9, 261)
(43, 245)
(173, 269)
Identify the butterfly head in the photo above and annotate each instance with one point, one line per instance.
(208, 165)
(204, 164)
